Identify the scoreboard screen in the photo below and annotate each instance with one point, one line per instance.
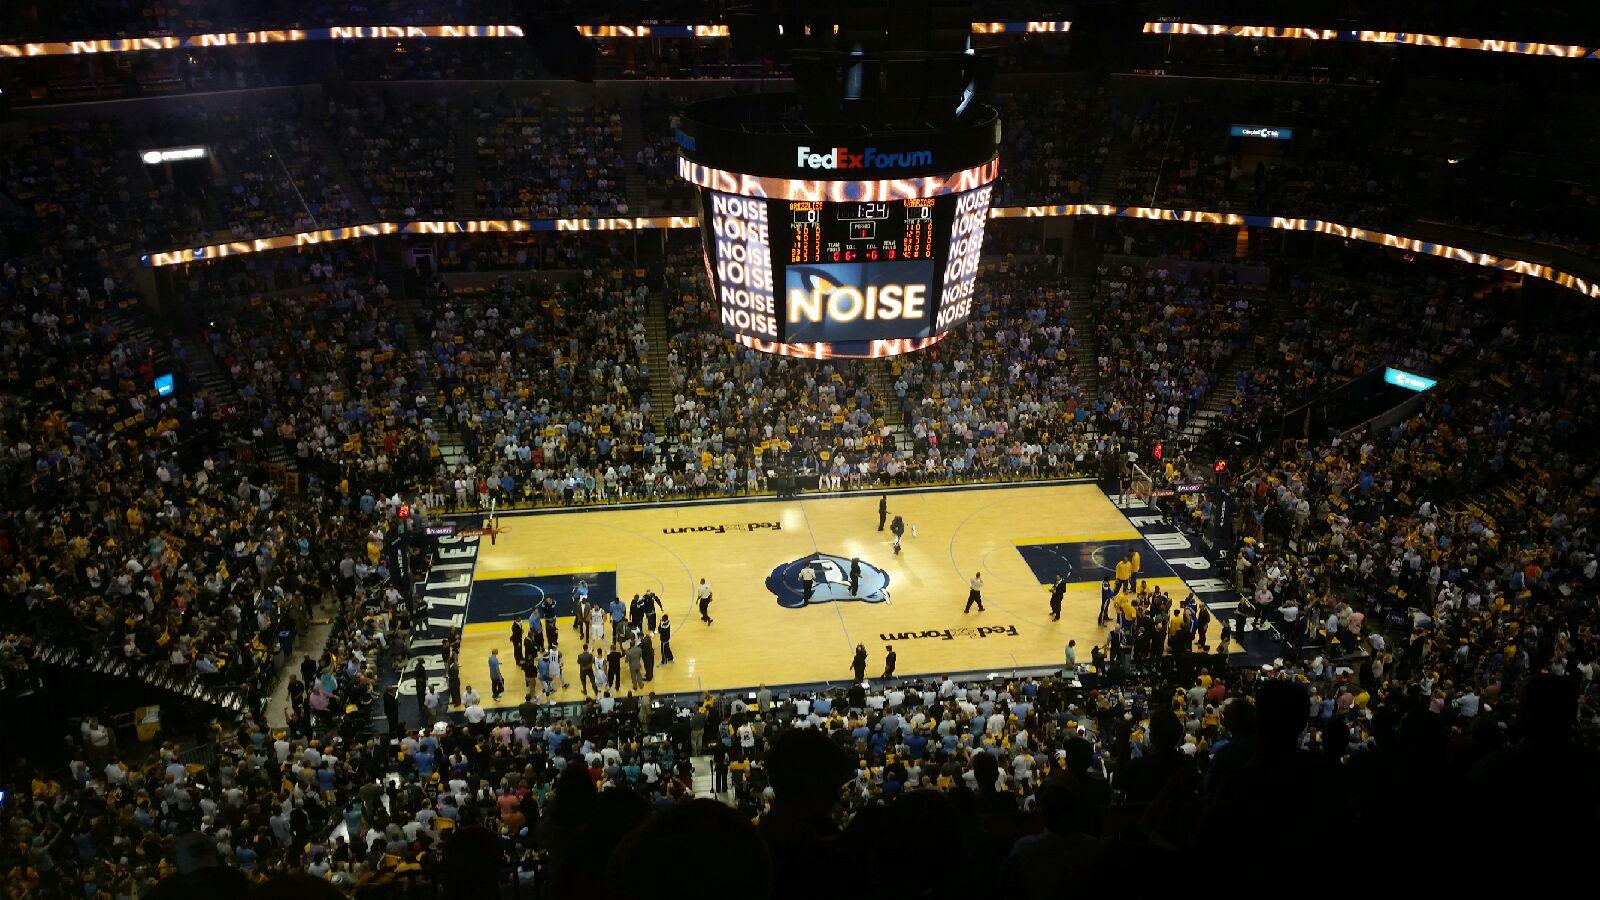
(843, 278)
(823, 239)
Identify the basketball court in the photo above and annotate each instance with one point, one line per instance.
(751, 552)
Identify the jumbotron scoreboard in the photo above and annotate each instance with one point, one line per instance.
(838, 245)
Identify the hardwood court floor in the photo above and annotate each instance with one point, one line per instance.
(1017, 537)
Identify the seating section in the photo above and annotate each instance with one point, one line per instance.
(541, 159)
(400, 152)
(548, 386)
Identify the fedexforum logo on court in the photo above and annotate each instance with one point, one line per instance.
(735, 527)
(950, 634)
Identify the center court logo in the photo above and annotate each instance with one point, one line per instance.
(832, 582)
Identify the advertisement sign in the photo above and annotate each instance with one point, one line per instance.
(1407, 380)
(1262, 132)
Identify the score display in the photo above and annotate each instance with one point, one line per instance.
(860, 232)
(843, 278)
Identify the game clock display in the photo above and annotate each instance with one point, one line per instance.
(848, 279)
(860, 232)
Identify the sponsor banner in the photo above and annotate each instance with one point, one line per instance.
(1278, 32)
(653, 31)
(417, 32)
(446, 593)
(714, 30)
(834, 159)
(877, 349)
(961, 260)
(725, 528)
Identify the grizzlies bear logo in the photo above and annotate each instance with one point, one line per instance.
(832, 582)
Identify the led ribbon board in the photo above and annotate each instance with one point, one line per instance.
(1529, 268)
(1362, 36)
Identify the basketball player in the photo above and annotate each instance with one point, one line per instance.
(898, 529)
(597, 624)
(1124, 573)
(652, 602)
(665, 636)
(975, 595)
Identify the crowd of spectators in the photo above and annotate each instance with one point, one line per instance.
(1433, 576)
(1053, 144)
(133, 531)
(739, 414)
(264, 175)
(1164, 335)
(540, 158)
(338, 385)
(1338, 329)
(548, 385)
(657, 160)
(400, 151)
(1002, 395)
(1033, 784)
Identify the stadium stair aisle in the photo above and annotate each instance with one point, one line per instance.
(1196, 430)
(333, 161)
(464, 135)
(207, 371)
(632, 141)
(655, 332)
(1081, 317)
(129, 325)
(312, 642)
(409, 309)
(704, 780)
(880, 380)
(1107, 181)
